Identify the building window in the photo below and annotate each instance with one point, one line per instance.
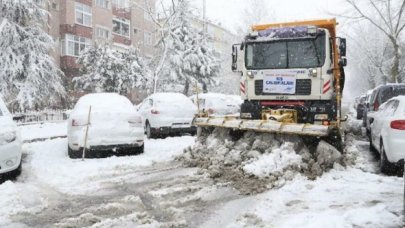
(121, 26)
(102, 33)
(103, 3)
(121, 3)
(83, 14)
(148, 38)
(75, 45)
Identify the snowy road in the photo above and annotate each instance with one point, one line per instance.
(153, 190)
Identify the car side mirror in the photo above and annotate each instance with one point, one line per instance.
(371, 120)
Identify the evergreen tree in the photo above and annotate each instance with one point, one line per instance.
(190, 59)
(106, 70)
(29, 78)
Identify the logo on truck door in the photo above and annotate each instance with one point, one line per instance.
(281, 83)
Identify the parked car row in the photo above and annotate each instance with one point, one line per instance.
(384, 119)
(105, 124)
(10, 144)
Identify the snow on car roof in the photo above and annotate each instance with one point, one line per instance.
(99, 100)
(169, 96)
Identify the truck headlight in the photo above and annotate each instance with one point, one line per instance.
(250, 74)
(313, 72)
(7, 137)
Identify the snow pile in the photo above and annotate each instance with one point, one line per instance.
(257, 162)
(276, 161)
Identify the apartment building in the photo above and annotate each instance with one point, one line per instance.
(220, 38)
(77, 24)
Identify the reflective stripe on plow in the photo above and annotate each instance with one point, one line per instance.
(326, 86)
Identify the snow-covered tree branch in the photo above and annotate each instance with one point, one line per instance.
(29, 78)
(106, 70)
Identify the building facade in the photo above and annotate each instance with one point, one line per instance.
(221, 40)
(77, 24)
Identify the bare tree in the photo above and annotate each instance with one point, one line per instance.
(255, 12)
(163, 23)
(370, 63)
(388, 17)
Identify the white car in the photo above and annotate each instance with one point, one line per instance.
(217, 103)
(167, 113)
(388, 134)
(115, 127)
(10, 144)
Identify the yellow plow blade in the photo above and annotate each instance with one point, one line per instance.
(262, 126)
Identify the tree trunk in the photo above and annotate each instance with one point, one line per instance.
(395, 65)
(186, 87)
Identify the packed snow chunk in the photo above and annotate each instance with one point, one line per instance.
(277, 161)
(254, 162)
(327, 156)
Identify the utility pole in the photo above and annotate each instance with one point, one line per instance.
(204, 18)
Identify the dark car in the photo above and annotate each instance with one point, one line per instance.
(360, 107)
(380, 95)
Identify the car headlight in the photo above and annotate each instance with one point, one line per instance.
(7, 137)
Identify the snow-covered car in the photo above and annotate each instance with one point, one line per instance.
(114, 127)
(360, 107)
(388, 134)
(10, 144)
(217, 103)
(380, 95)
(167, 113)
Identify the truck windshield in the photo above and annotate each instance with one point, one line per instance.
(286, 54)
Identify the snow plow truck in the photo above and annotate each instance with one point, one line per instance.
(291, 81)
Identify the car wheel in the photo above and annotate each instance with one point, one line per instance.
(74, 154)
(385, 165)
(12, 175)
(149, 133)
(371, 146)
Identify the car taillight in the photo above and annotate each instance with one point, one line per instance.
(398, 124)
(75, 123)
(376, 105)
(155, 112)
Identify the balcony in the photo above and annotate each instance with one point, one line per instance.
(121, 12)
(76, 29)
(121, 39)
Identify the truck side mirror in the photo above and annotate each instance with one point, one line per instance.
(343, 62)
(342, 47)
(235, 49)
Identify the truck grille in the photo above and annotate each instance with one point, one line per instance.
(303, 87)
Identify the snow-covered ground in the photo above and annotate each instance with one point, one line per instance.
(155, 190)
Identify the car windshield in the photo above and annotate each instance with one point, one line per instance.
(286, 54)
(392, 92)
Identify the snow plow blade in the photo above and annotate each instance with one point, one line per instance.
(269, 126)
